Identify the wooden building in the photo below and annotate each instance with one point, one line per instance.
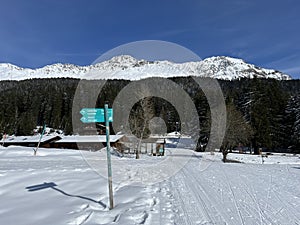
(152, 145)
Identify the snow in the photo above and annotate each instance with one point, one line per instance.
(274, 158)
(64, 187)
(174, 134)
(88, 138)
(129, 68)
(27, 139)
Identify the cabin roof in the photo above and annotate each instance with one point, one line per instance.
(88, 138)
(29, 139)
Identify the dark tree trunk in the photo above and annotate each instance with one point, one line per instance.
(255, 147)
(225, 152)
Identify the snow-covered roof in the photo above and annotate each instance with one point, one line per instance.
(173, 134)
(28, 139)
(89, 138)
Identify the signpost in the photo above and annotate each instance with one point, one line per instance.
(95, 115)
(98, 115)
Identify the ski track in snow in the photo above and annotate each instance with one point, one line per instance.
(225, 195)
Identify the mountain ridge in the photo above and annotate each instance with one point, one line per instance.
(129, 68)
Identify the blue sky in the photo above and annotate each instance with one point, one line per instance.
(38, 32)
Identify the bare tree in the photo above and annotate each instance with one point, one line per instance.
(140, 118)
(237, 130)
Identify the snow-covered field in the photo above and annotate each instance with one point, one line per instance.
(64, 187)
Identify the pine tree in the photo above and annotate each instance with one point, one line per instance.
(292, 124)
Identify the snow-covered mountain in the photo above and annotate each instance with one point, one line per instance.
(129, 68)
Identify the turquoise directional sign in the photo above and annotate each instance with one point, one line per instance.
(95, 115)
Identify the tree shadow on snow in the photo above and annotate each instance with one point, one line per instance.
(53, 186)
(232, 161)
(185, 156)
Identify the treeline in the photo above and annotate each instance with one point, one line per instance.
(260, 112)
(272, 110)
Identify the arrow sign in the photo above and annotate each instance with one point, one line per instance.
(92, 111)
(95, 115)
(90, 120)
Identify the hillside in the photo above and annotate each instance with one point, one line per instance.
(269, 106)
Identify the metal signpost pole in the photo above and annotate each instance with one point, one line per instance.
(111, 201)
(96, 115)
(42, 134)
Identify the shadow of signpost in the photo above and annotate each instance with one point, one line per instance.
(53, 186)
